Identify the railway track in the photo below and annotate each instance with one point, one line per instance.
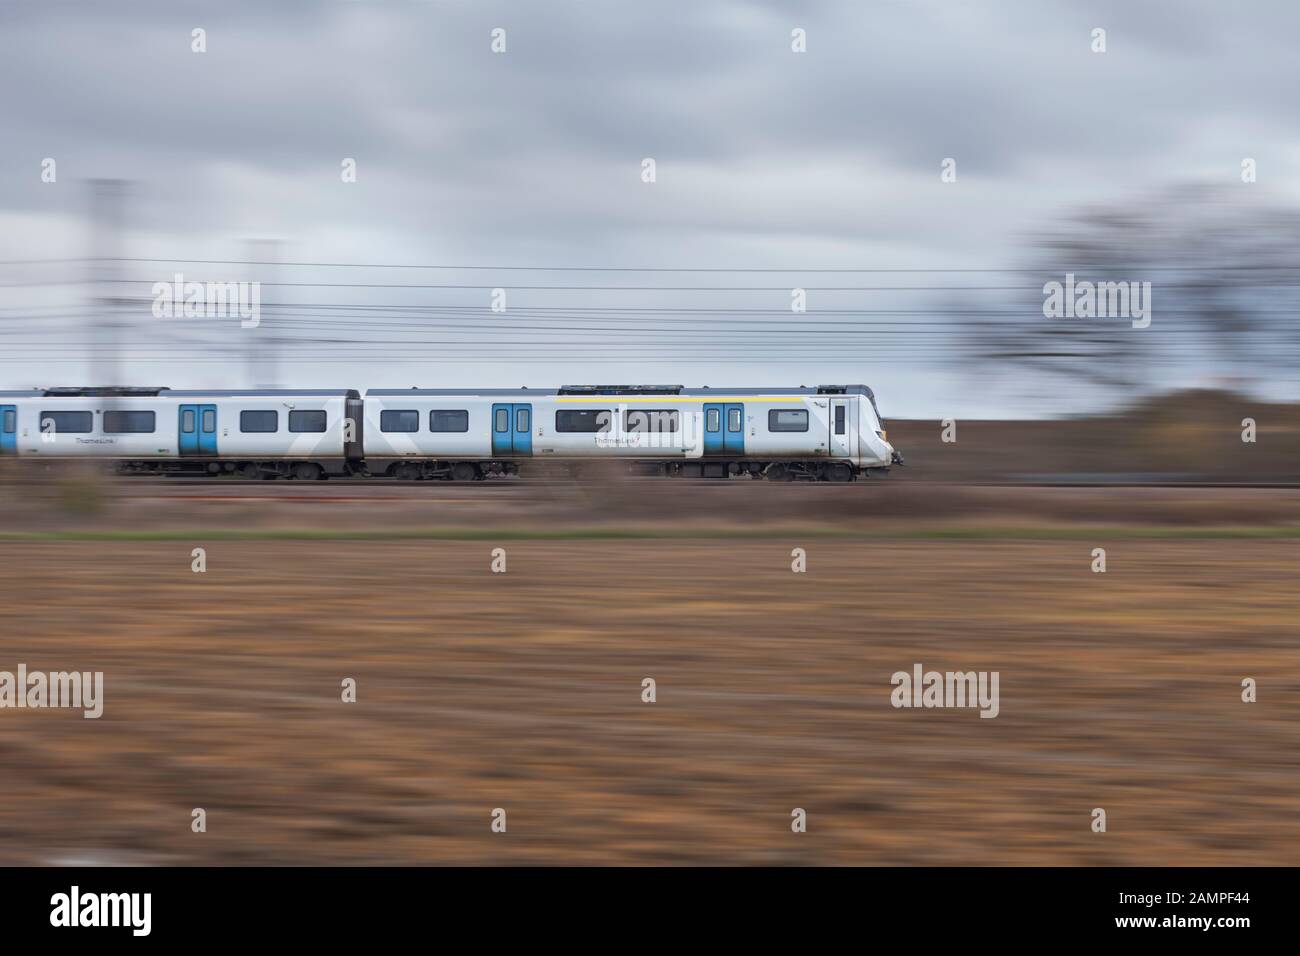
(379, 490)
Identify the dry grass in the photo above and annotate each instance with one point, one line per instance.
(522, 691)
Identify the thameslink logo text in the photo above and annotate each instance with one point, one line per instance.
(82, 690)
(103, 909)
(946, 689)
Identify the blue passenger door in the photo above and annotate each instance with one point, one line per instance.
(713, 440)
(512, 429)
(198, 429)
(523, 429)
(733, 437)
(189, 430)
(208, 430)
(502, 442)
(8, 429)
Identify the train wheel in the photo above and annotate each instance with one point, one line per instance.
(464, 471)
(778, 473)
(307, 471)
(839, 472)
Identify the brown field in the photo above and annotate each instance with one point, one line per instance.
(522, 690)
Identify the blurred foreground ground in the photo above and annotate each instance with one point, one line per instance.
(522, 690)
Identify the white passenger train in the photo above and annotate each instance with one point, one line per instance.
(297, 433)
(831, 433)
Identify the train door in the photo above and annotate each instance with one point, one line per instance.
(713, 433)
(208, 430)
(843, 428)
(523, 429)
(733, 438)
(198, 430)
(512, 429)
(8, 429)
(189, 430)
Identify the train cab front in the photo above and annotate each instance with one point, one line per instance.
(895, 457)
(880, 455)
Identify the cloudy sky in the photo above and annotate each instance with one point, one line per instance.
(766, 160)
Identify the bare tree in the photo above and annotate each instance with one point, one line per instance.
(1225, 295)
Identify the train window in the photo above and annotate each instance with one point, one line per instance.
(404, 420)
(69, 423)
(129, 423)
(187, 421)
(713, 421)
(11, 421)
(652, 420)
(733, 419)
(521, 420)
(449, 420)
(255, 422)
(307, 421)
(503, 420)
(584, 420)
(209, 420)
(839, 419)
(787, 420)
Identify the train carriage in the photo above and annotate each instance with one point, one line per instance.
(828, 432)
(303, 433)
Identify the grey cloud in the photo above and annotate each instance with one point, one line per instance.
(766, 158)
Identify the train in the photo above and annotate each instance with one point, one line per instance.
(822, 433)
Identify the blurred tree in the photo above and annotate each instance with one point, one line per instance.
(1225, 294)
